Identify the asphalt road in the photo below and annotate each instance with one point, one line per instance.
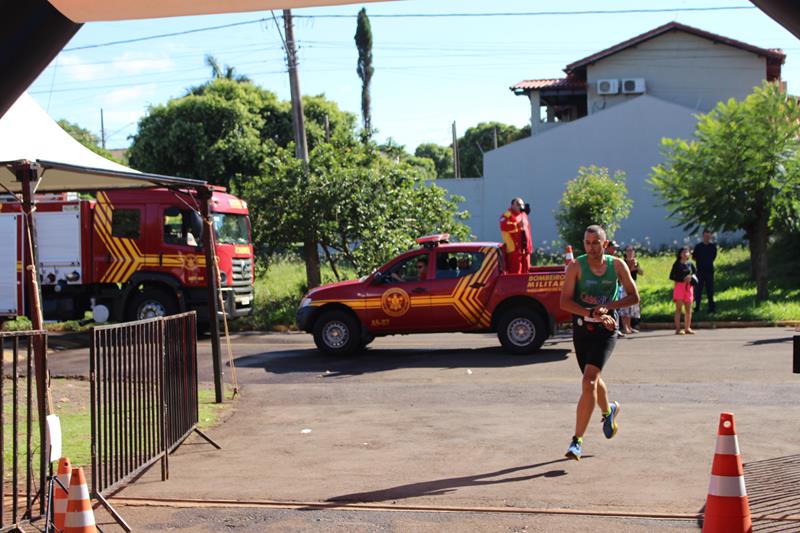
(450, 420)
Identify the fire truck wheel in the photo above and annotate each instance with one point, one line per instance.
(337, 333)
(151, 303)
(521, 330)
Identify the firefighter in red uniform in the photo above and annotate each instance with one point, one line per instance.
(516, 232)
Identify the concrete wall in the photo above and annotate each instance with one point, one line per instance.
(681, 68)
(626, 137)
(472, 189)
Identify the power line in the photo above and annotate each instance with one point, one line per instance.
(535, 13)
(423, 15)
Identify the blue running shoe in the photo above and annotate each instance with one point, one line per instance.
(610, 421)
(574, 450)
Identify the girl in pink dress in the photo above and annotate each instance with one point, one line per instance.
(684, 275)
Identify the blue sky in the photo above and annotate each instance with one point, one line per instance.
(429, 72)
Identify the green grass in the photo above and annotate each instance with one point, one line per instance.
(734, 290)
(278, 293)
(71, 404)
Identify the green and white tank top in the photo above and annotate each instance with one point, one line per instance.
(591, 289)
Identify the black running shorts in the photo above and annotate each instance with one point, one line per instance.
(593, 343)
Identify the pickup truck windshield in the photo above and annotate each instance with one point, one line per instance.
(231, 229)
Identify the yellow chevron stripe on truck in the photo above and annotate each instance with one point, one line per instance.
(464, 299)
(126, 256)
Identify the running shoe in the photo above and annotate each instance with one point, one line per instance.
(575, 449)
(610, 421)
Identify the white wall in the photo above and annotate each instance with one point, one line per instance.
(681, 68)
(626, 137)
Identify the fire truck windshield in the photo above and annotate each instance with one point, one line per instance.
(231, 229)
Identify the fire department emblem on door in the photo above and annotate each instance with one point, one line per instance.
(395, 302)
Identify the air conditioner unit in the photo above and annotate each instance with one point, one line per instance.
(633, 86)
(607, 86)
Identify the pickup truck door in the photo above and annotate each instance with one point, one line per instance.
(461, 288)
(399, 301)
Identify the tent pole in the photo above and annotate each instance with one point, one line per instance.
(205, 194)
(28, 173)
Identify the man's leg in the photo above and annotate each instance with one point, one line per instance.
(602, 395)
(514, 260)
(698, 291)
(712, 307)
(588, 400)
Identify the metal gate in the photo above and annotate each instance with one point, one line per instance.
(22, 480)
(143, 397)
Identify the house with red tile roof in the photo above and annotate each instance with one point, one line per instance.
(612, 108)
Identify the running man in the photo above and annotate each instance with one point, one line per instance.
(590, 294)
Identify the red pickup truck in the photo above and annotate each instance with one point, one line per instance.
(439, 287)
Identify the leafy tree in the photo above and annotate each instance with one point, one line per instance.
(479, 139)
(593, 197)
(363, 38)
(85, 137)
(219, 72)
(442, 157)
(362, 206)
(216, 136)
(222, 133)
(742, 172)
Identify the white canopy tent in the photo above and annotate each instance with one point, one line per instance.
(29, 135)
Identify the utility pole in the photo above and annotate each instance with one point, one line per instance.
(313, 278)
(495, 138)
(456, 165)
(327, 129)
(102, 130)
(298, 119)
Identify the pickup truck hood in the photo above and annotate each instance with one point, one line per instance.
(324, 292)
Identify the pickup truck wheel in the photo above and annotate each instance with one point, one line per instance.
(151, 303)
(521, 330)
(337, 333)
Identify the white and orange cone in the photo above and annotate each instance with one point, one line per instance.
(727, 508)
(80, 517)
(60, 495)
(568, 255)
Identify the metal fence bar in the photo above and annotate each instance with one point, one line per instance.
(144, 396)
(23, 490)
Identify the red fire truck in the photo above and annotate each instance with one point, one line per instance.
(128, 254)
(439, 287)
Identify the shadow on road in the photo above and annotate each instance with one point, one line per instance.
(312, 361)
(770, 341)
(443, 486)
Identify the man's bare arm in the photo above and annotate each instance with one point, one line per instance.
(567, 301)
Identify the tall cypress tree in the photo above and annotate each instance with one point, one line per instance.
(363, 39)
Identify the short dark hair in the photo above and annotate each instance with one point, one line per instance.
(597, 229)
(706, 230)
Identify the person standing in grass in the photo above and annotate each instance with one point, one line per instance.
(684, 274)
(705, 253)
(628, 314)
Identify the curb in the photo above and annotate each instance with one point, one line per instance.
(726, 324)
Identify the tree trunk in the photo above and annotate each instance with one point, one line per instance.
(331, 262)
(311, 255)
(758, 258)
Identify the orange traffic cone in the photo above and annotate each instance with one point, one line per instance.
(727, 509)
(80, 517)
(568, 257)
(60, 495)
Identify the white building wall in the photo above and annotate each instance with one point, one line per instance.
(681, 68)
(626, 137)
